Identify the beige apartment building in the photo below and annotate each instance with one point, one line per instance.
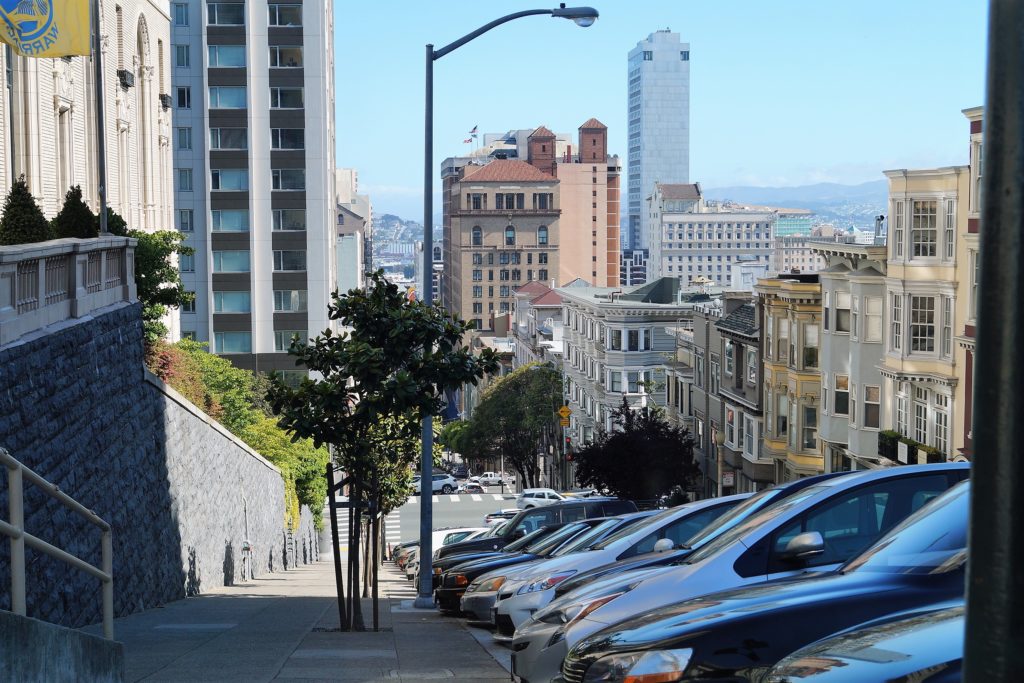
(925, 287)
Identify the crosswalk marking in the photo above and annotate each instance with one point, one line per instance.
(475, 497)
(454, 499)
(498, 496)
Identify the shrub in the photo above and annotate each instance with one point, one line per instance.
(23, 222)
(75, 218)
(115, 224)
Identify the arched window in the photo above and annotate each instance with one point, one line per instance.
(542, 235)
(478, 236)
(510, 235)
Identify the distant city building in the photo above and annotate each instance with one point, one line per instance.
(794, 222)
(354, 222)
(253, 98)
(795, 253)
(633, 267)
(658, 119)
(538, 324)
(694, 238)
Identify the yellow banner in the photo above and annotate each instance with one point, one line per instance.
(45, 28)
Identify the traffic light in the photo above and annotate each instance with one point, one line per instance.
(568, 442)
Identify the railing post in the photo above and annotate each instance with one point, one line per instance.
(16, 506)
(108, 585)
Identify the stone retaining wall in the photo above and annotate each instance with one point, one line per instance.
(183, 496)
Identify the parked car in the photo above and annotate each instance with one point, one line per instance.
(470, 487)
(520, 596)
(727, 521)
(919, 564)
(480, 596)
(923, 646)
(504, 513)
(443, 483)
(460, 472)
(816, 529)
(495, 478)
(526, 521)
(531, 498)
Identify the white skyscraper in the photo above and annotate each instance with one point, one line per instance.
(659, 125)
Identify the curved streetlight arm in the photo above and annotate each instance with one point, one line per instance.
(437, 54)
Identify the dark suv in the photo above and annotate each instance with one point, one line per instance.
(526, 521)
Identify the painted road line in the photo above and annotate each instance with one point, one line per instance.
(433, 499)
(498, 496)
(476, 498)
(454, 499)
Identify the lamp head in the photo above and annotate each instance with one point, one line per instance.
(583, 16)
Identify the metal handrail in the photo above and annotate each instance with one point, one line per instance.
(15, 530)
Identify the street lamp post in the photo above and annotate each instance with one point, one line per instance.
(583, 16)
(719, 447)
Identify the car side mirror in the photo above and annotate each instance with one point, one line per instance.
(804, 546)
(663, 545)
(516, 535)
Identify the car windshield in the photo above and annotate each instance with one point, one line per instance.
(931, 541)
(587, 538)
(546, 545)
(732, 517)
(755, 520)
(633, 528)
(532, 537)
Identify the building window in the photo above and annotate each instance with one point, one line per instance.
(730, 358)
(751, 366)
(510, 236)
(285, 56)
(782, 417)
(615, 381)
(542, 258)
(542, 236)
(189, 306)
(283, 339)
(942, 423)
(285, 15)
(478, 236)
(478, 259)
(225, 14)
(232, 302)
(186, 220)
(181, 14)
(186, 263)
(810, 346)
(288, 179)
(478, 291)
(783, 354)
(478, 307)
(920, 415)
(290, 260)
(949, 237)
(648, 56)
(229, 138)
(232, 342)
(227, 97)
(289, 219)
(715, 375)
(230, 220)
(225, 56)
(975, 277)
(181, 56)
(231, 261)
(898, 227)
(229, 179)
(287, 138)
(615, 340)
(896, 323)
(872, 406)
(286, 98)
(183, 138)
(184, 97)
(478, 275)
(290, 300)
(684, 55)
(923, 228)
(842, 312)
(730, 426)
(184, 179)
(922, 324)
(841, 400)
(872, 318)
(810, 431)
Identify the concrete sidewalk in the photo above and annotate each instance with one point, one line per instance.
(283, 628)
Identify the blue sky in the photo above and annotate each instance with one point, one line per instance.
(787, 92)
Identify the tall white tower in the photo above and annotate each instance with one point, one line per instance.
(658, 115)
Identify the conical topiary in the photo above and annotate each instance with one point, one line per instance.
(23, 222)
(75, 218)
(115, 224)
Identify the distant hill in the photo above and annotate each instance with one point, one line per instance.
(844, 205)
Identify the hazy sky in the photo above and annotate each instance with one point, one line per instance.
(787, 92)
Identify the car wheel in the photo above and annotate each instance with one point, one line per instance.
(446, 488)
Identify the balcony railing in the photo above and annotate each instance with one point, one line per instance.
(48, 282)
(506, 212)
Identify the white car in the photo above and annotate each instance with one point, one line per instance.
(495, 478)
(443, 483)
(531, 498)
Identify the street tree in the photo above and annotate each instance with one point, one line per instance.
(157, 279)
(394, 358)
(642, 457)
(515, 417)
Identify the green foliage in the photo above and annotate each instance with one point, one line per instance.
(75, 219)
(455, 436)
(513, 417)
(115, 224)
(23, 221)
(235, 398)
(156, 278)
(390, 367)
(642, 458)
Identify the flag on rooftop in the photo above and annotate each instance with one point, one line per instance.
(473, 132)
(46, 28)
(468, 140)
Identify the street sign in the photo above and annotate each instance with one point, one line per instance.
(564, 412)
(564, 422)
